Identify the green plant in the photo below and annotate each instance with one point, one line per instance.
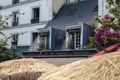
(90, 44)
(70, 45)
(6, 54)
(42, 47)
(108, 32)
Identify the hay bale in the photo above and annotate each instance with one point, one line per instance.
(24, 69)
(106, 67)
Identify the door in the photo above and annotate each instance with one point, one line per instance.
(34, 36)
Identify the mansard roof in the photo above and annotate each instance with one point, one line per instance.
(73, 14)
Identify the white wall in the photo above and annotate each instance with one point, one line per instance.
(102, 8)
(57, 4)
(27, 9)
(47, 7)
(5, 2)
(8, 2)
(26, 38)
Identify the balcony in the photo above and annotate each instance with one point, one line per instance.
(14, 24)
(35, 20)
(15, 1)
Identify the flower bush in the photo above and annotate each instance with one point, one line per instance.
(109, 31)
(105, 37)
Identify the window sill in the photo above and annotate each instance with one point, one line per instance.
(20, 3)
(27, 25)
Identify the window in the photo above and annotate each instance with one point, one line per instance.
(15, 38)
(45, 41)
(15, 19)
(15, 1)
(14, 41)
(35, 15)
(34, 36)
(75, 39)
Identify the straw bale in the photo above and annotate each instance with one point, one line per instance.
(106, 67)
(24, 69)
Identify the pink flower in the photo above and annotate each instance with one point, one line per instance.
(101, 31)
(113, 35)
(106, 17)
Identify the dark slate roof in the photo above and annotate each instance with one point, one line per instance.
(72, 14)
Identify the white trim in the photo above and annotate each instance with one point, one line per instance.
(74, 40)
(81, 38)
(50, 36)
(40, 14)
(19, 4)
(31, 37)
(15, 10)
(67, 38)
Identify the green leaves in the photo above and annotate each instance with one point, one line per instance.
(110, 2)
(117, 2)
(111, 27)
(6, 54)
(113, 9)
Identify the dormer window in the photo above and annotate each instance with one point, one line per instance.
(72, 1)
(95, 8)
(15, 1)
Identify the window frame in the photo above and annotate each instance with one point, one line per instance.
(32, 14)
(75, 37)
(16, 36)
(45, 41)
(15, 18)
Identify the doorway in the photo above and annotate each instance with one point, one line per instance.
(34, 36)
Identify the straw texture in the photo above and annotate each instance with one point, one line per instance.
(106, 67)
(23, 69)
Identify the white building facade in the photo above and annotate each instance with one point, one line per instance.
(102, 7)
(37, 14)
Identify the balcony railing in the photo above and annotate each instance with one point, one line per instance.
(35, 20)
(15, 1)
(14, 24)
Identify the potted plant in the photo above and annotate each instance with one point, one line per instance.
(41, 47)
(70, 45)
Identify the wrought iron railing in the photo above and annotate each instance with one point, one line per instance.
(14, 24)
(35, 20)
(15, 1)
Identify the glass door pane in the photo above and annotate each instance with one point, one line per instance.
(77, 40)
(42, 40)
